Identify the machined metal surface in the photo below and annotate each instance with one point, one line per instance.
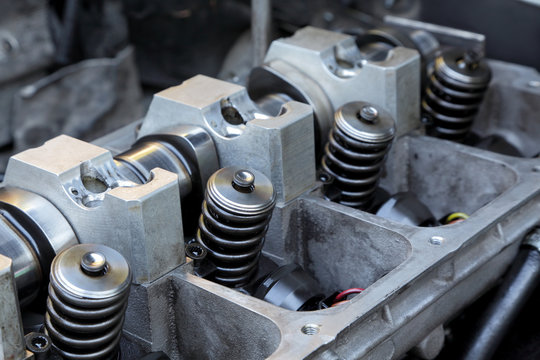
(326, 70)
(34, 231)
(84, 184)
(240, 130)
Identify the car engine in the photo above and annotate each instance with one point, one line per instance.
(268, 180)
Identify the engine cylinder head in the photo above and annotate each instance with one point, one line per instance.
(354, 155)
(457, 83)
(88, 293)
(236, 211)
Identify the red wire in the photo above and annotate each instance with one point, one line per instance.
(347, 292)
(455, 221)
(340, 303)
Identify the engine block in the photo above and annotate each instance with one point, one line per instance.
(139, 191)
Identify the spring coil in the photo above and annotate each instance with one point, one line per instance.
(355, 153)
(85, 309)
(233, 223)
(456, 86)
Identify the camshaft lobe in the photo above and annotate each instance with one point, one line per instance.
(457, 83)
(88, 295)
(354, 155)
(235, 215)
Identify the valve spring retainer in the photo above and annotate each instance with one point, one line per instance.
(354, 155)
(457, 83)
(235, 215)
(88, 295)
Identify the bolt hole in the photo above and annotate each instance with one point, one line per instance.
(436, 240)
(94, 184)
(311, 329)
(74, 191)
(231, 115)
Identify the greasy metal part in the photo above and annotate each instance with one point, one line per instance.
(375, 43)
(137, 163)
(354, 156)
(240, 130)
(235, 215)
(84, 184)
(326, 70)
(185, 150)
(34, 231)
(290, 287)
(457, 83)
(261, 21)
(518, 285)
(88, 295)
(26, 266)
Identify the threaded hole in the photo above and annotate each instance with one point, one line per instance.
(311, 329)
(231, 115)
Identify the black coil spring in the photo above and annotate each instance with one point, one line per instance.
(84, 329)
(355, 167)
(234, 242)
(449, 104)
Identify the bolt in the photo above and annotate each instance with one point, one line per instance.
(39, 344)
(436, 240)
(244, 180)
(93, 262)
(369, 113)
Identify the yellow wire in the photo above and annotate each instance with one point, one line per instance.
(456, 216)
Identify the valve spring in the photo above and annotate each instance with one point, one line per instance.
(88, 295)
(457, 83)
(235, 215)
(355, 152)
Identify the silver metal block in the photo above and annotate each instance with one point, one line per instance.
(142, 222)
(329, 68)
(279, 146)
